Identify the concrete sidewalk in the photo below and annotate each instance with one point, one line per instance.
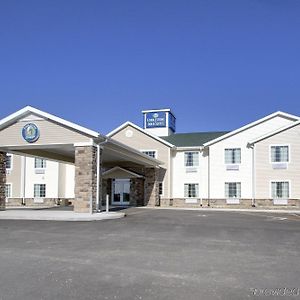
(285, 211)
(55, 215)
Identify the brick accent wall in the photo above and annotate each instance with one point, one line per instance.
(2, 179)
(151, 187)
(85, 178)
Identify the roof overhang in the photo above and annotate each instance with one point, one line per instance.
(225, 136)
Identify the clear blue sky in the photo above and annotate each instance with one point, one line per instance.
(217, 64)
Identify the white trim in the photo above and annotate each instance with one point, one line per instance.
(124, 125)
(281, 129)
(122, 169)
(280, 180)
(29, 109)
(279, 162)
(85, 144)
(156, 110)
(40, 183)
(271, 116)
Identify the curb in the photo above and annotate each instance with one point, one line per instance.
(227, 209)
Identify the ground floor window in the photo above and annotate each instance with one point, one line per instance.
(8, 190)
(232, 189)
(39, 190)
(280, 189)
(160, 189)
(191, 190)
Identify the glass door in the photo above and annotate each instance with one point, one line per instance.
(121, 192)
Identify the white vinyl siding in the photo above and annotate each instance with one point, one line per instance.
(280, 189)
(279, 154)
(191, 159)
(232, 190)
(191, 190)
(233, 156)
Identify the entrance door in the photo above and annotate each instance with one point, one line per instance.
(121, 192)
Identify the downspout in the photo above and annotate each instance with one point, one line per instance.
(253, 175)
(98, 202)
(208, 178)
(23, 179)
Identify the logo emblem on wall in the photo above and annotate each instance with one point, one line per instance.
(155, 115)
(30, 133)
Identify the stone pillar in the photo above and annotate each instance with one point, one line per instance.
(2, 179)
(151, 187)
(85, 178)
(137, 191)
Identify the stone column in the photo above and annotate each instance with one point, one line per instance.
(137, 191)
(2, 179)
(151, 187)
(85, 178)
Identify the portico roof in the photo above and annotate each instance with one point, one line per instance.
(59, 137)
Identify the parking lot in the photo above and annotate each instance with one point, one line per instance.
(153, 254)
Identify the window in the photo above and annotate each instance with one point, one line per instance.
(232, 189)
(160, 189)
(39, 190)
(39, 163)
(8, 190)
(233, 156)
(191, 190)
(191, 159)
(8, 161)
(279, 154)
(280, 189)
(151, 153)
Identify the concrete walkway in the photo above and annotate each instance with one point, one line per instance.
(270, 210)
(57, 215)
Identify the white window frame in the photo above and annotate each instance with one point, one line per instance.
(237, 197)
(40, 168)
(196, 184)
(162, 188)
(279, 162)
(280, 180)
(232, 163)
(11, 162)
(193, 166)
(10, 184)
(150, 150)
(38, 197)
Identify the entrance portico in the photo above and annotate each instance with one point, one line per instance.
(33, 132)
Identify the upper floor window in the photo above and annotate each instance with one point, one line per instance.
(8, 190)
(39, 163)
(233, 156)
(151, 153)
(279, 154)
(191, 190)
(8, 161)
(232, 189)
(40, 190)
(280, 189)
(191, 159)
